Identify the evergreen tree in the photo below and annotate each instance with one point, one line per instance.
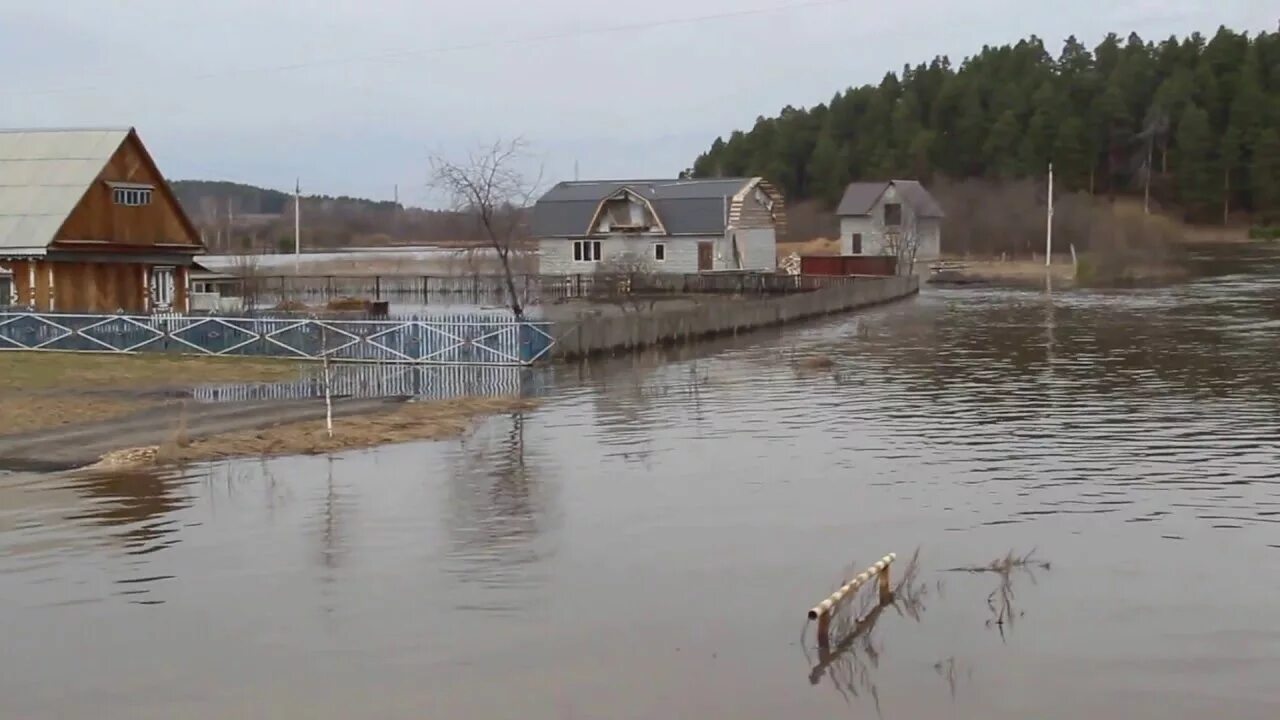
(828, 169)
(1194, 162)
(1199, 108)
(1001, 149)
(1265, 175)
(1071, 155)
(1042, 129)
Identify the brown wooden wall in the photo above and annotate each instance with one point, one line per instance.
(86, 287)
(97, 217)
(98, 287)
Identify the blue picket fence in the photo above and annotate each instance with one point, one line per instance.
(471, 339)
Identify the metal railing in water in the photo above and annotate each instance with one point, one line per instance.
(464, 339)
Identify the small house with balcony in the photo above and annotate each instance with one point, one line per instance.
(89, 225)
(891, 217)
(659, 226)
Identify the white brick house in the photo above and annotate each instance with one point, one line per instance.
(873, 215)
(672, 226)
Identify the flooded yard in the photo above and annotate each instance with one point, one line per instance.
(646, 543)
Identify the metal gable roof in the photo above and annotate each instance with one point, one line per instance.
(686, 207)
(860, 197)
(43, 176)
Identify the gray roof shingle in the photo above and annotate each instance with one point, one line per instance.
(686, 207)
(860, 197)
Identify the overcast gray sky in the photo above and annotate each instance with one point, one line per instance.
(353, 96)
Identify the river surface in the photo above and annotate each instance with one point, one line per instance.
(646, 543)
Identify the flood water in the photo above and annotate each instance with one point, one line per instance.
(646, 543)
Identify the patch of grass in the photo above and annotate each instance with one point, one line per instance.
(1264, 232)
(25, 371)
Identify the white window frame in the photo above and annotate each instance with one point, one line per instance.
(586, 251)
(131, 196)
(11, 297)
(656, 248)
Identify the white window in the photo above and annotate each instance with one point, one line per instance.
(8, 291)
(586, 250)
(660, 252)
(131, 196)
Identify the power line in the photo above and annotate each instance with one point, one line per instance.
(462, 47)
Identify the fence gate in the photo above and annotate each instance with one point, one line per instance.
(444, 340)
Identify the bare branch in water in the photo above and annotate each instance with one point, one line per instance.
(1001, 600)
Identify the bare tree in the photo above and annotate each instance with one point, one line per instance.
(902, 243)
(490, 187)
(246, 269)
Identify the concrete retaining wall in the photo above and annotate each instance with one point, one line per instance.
(595, 335)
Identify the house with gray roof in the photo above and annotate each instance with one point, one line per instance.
(666, 226)
(892, 217)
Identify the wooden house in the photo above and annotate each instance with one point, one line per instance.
(88, 224)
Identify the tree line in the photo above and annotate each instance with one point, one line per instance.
(1193, 122)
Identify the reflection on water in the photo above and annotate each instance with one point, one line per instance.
(435, 382)
(498, 511)
(645, 544)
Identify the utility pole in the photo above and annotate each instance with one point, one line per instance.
(1048, 235)
(297, 224)
(575, 171)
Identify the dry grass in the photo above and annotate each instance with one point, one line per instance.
(24, 412)
(1016, 272)
(409, 422)
(348, 304)
(29, 371)
(43, 390)
(816, 246)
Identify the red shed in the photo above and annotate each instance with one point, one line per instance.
(848, 265)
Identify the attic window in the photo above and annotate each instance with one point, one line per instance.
(131, 195)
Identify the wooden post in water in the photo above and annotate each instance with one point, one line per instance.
(822, 611)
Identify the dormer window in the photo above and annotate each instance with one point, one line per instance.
(131, 195)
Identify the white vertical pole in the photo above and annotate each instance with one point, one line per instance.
(1048, 235)
(297, 224)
